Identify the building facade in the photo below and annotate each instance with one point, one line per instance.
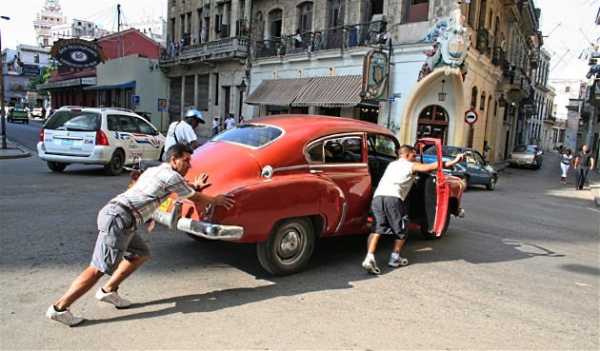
(206, 58)
(542, 99)
(50, 15)
(20, 67)
(77, 28)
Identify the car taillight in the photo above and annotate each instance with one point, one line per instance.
(101, 138)
(42, 135)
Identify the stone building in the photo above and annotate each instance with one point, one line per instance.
(50, 15)
(543, 100)
(206, 55)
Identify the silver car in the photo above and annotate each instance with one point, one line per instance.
(526, 156)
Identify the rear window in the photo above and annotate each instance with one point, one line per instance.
(74, 120)
(250, 135)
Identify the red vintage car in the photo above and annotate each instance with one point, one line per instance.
(297, 178)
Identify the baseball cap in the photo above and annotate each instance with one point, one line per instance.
(193, 113)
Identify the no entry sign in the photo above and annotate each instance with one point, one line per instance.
(471, 116)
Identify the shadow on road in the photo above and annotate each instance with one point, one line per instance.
(582, 269)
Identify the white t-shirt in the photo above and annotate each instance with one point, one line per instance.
(230, 123)
(397, 179)
(184, 132)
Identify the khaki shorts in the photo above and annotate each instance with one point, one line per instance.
(117, 239)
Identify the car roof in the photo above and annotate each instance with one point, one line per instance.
(100, 109)
(318, 125)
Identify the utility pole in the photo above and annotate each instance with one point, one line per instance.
(118, 18)
(2, 112)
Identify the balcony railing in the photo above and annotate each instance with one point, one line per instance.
(236, 47)
(483, 41)
(344, 37)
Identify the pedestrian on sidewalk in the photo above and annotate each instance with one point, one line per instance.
(230, 122)
(566, 159)
(119, 250)
(584, 163)
(216, 128)
(389, 205)
(184, 132)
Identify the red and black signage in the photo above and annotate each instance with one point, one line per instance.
(77, 53)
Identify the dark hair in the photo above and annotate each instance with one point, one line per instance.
(178, 151)
(405, 149)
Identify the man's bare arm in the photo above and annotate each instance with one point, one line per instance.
(219, 200)
(429, 167)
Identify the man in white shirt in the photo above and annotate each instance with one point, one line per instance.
(230, 122)
(183, 132)
(389, 207)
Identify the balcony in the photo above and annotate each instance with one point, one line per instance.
(217, 50)
(499, 57)
(339, 38)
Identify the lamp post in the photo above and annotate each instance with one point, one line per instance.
(2, 113)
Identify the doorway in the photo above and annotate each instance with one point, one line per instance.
(433, 123)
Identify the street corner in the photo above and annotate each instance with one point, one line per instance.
(13, 151)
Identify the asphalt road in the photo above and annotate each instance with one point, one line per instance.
(521, 271)
(24, 134)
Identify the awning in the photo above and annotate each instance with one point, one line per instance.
(340, 91)
(74, 82)
(125, 85)
(277, 92)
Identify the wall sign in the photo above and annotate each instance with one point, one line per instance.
(471, 116)
(375, 76)
(77, 53)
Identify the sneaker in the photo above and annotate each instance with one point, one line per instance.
(65, 317)
(397, 261)
(371, 266)
(112, 298)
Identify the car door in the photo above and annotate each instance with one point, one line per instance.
(484, 174)
(437, 190)
(148, 138)
(126, 138)
(474, 168)
(344, 163)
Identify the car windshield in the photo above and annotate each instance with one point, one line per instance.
(447, 151)
(253, 135)
(74, 120)
(530, 149)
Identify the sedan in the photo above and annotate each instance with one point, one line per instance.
(526, 156)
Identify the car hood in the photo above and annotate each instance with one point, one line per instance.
(522, 155)
(228, 166)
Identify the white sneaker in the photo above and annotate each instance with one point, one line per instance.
(65, 317)
(397, 261)
(370, 266)
(112, 298)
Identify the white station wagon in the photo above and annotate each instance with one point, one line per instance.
(104, 136)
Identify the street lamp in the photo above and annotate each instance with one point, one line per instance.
(2, 113)
(442, 94)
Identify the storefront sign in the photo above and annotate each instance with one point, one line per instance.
(77, 53)
(471, 116)
(30, 70)
(375, 76)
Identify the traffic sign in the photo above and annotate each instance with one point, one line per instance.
(471, 116)
(135, 100)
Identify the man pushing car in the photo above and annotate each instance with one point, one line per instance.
(389, 205)
(119, 250)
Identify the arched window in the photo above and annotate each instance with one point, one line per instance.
(482, 101)
(305, 16)
(474, 96)
(275, 23)
(433, 123)
(416, 11)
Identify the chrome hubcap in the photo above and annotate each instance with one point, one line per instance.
(290, 244)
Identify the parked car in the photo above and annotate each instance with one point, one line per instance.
(104, 136)
(18, 113)
(37, 112)
(474, 170)
(526, 156)
(297, 178)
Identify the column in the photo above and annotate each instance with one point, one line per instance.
(195, 91)
(247, 14)
(234, 17)
(182, 102)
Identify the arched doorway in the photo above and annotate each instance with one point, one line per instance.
(433, 123)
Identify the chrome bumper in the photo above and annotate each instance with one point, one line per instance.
(206, 230)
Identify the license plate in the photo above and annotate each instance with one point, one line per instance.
(67, 142)
(165, 205)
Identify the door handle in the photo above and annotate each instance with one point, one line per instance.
(316, 171)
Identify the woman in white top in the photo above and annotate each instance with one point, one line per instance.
(565, 163)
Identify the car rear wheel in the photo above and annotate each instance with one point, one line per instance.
(115, 167)
(288, 248)
(492, 184)
(57, 166)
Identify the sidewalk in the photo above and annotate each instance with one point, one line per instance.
(13, 151)
(595, 187)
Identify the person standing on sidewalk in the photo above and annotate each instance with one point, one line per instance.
(389, 205)
(119, 250)
(566, 159)
(584, 163)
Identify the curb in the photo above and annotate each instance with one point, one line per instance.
(23, 152)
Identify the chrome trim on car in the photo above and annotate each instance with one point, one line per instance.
(338, 165)
(339, 135)
(173, 221)
(343, 218)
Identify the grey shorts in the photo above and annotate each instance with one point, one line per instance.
(391, 216)
(117, 239)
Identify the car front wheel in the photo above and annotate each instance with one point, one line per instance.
(289, 247)
(57, 166)
(115, 166)
(492, 184)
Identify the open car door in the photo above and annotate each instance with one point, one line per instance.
(436, 192)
